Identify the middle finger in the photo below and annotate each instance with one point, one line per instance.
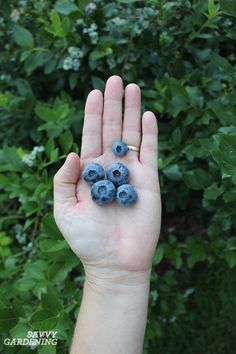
(112, 113)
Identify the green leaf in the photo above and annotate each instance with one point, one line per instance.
(228, 146)
(51, 300)
(9, 160)
(176, 136)
(3, 100)
(229, 196)
(57, 273)
(25, 284)
(66, 8)
(8, 319)
(57, 24)
(159, 254)
(127, 1)
(73, 80)
(43, 320)
(179, 98)
(196, 249)
(5, 240)
(66, 26)
(158, 107)
(66, 141)
(98, 83)
(51, 228)
(211, 8)
(47, 349)
(51, 246)
(45, 113)
(173, 172)
(230, 252)
(223, 64)
(213, 192)
(54, 155)
(226, 155)
(18, 307)
(34, 61)
(4, 302)
(23, 37)
(100, 53)
(49, 147)
(23, 87)
(229, 7)
(62, 111)
(20, 330)
(35, 269)
(197, 179)
(192, 151)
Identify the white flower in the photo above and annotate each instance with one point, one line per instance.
(94, 37)
(92, 32)
(15, 15)
(38, 149)
(76, 64)
(79, 22)
(93, 27)
(22, 3)
(75, 53)
(90, 8)
(21, 238)
(29, 159)
(68, 63)
(90, 29)
(117, 21)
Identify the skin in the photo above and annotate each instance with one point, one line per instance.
(115, 244)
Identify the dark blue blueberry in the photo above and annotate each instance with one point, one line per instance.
(103, 192)
(120, 148)
(118, 174)
(126, 195)
(93, 172)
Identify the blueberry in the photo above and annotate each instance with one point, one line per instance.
(118, 174)
(120, 148)
(93, 172)
(126, 195)
(103, 192)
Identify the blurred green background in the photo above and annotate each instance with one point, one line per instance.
(182, 55)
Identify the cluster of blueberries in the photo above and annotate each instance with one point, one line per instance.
(115, 186)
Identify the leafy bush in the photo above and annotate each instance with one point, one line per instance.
(182, 55)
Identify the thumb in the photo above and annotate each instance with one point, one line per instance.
(65, 181)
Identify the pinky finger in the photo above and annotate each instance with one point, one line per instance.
(149, 145)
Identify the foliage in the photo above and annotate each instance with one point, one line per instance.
(181, 53)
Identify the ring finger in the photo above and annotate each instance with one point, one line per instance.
(132, 117)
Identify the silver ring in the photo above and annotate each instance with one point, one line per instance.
(133, 148)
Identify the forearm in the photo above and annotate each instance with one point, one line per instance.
(112, 318)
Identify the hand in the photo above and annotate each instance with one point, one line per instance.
(113, 242)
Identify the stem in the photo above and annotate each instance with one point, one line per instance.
(52, 162)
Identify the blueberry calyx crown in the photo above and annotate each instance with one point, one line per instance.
(120, 148)
(93, 172)
(117, 173)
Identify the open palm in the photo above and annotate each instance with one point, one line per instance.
(112, 238)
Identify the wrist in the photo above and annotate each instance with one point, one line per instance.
(115, 281)
(113, 315)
